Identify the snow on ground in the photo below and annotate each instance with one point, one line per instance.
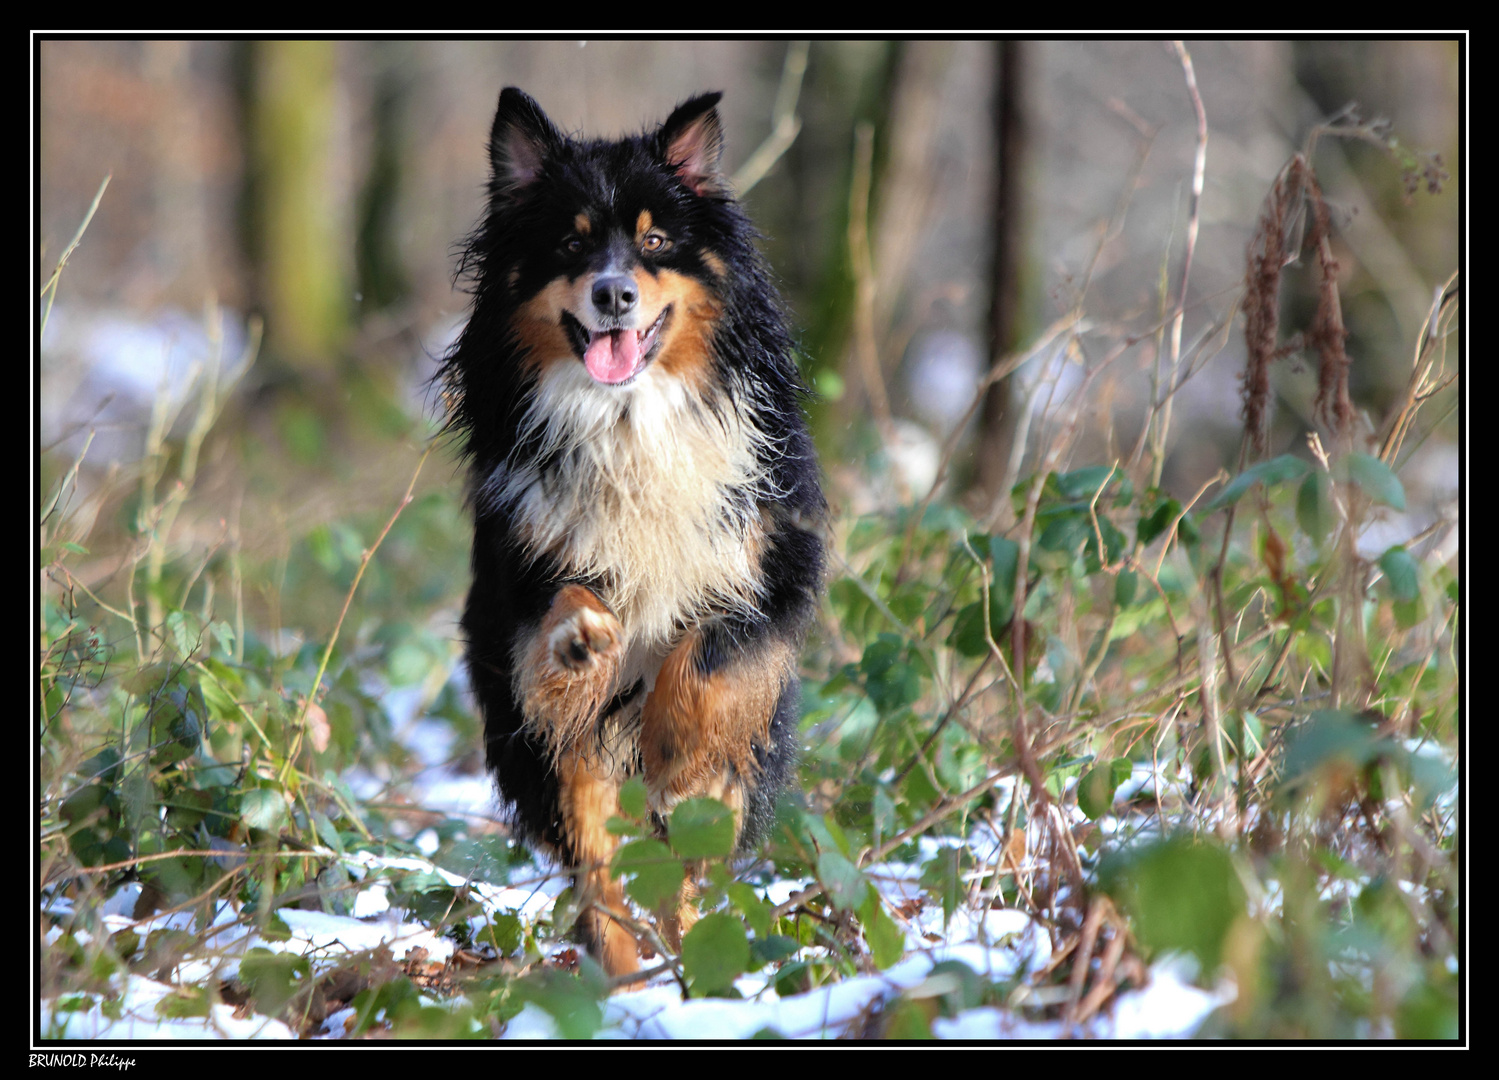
(997, 944)
(1013, 945)
(136, 1015)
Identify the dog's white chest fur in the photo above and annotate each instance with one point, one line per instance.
(647, 492)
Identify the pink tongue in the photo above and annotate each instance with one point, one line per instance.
(611, 357)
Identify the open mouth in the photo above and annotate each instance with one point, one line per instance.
(616, 356)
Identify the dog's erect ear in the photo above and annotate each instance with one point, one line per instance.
(519, 143)
(691, 144)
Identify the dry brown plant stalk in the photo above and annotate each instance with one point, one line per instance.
(1266, 259)
(1328, 334)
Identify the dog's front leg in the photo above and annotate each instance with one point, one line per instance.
(588, 794)
(566, 671)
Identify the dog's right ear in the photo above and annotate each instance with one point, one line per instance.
(519, 143)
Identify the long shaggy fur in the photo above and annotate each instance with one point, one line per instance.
(647, 511)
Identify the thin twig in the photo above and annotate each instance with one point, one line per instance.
(364, 562)
(69, 478)
(49, 290)
(1199, 168)
(998, 371)
(785, 124)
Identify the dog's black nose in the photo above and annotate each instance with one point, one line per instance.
(614, 295)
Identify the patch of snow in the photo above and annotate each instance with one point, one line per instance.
(141, 1003)
(1168, 1008)
(532, 1022)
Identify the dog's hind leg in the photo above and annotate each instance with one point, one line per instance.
(705, 728)
(706, 716)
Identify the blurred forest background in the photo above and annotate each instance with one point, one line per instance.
(326, 185)
(323, 186)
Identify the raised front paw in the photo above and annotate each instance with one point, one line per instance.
(583, 632)
(568, 668)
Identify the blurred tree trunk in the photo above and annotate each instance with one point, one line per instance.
(846, 83)
(997, 421)
(895, 214)
(300, 235)
(384, 280)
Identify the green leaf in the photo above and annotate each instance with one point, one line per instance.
(756, 912)
(220, 703)
(1376, 479)
(1096, 787)
(890, 680)
(653, 874)
(1275, 471)
(702, 829)
(263, 808)
(715, 952)
(907, 1021)
(886, 942)
(1067, 533)
(80, 805)
(633, 798)
(1114, 543)
(941, 876)
(223, 633)
(1429, 1011)
(1328, 736)
(273, 977)
(1181, 894)
(186, 1002)
(1157, 521)
(186, 807)
(1125, 586)
(505, 933)
(1407, 613)
(1401, 573)
(917, 792)
(827, 832)
(1315, 512)
(1242, 724)
(384, 1003)
(967, 634)
(1004, 560)
(771, 949)
(968, 631)
(185, 632)
(103, 766)
(1430, 776)
(845, 883)
(1086, 482)
(178, 714)
(573, 1002)
(326, 831)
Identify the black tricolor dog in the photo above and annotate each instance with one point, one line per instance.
(647, 541)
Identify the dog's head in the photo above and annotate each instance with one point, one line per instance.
(612, 254)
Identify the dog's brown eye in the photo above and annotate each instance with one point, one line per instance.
(572, 245)
(654, 243)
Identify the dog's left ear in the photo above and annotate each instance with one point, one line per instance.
(691, 144)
